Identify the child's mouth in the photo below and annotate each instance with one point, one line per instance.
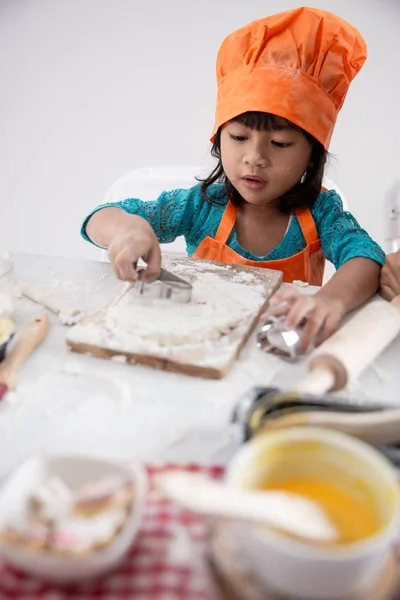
(253, 182)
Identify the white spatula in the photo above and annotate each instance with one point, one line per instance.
(286, 511)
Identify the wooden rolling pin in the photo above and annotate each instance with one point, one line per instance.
(346, 354)
(28, 339)
(338, 360)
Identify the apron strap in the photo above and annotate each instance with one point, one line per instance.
(304, 216)
(307, 225)
(227, 223)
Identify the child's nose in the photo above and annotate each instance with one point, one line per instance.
(256, 159)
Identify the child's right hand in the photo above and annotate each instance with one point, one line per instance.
(130, 244)
(390, 277)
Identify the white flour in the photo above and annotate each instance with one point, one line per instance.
(217, 307)
(205, 331)
(86, 296)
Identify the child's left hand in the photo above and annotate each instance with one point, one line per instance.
(322, 315)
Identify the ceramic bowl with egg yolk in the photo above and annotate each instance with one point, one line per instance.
(293, 459)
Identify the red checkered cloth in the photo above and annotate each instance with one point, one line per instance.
(164, 563)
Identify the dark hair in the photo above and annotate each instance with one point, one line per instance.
(301, 195)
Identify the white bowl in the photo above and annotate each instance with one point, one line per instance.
(299, 569)
(74, 471)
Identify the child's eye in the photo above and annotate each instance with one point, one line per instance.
(280, 144)
(238, 138)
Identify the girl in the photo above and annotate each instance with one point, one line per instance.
(281, 83)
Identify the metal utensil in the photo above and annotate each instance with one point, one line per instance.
(263, 409)
(275, 339)
(166, 286)
(260, 405)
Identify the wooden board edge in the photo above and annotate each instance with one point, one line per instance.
(252, 327)
(155, 362)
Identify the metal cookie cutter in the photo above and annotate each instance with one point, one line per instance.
(167, 286)
(274, 338)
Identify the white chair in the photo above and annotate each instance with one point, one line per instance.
(331, 185)
(147, 183)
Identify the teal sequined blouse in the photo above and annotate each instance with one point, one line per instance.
(184, 212)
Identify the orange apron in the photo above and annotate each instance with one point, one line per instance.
(307, 265)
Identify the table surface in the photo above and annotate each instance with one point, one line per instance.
(67, 402)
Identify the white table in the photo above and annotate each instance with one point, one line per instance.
(72, 403)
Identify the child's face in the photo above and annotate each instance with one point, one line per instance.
(275, 159)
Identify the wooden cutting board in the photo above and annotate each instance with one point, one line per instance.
(208, 360)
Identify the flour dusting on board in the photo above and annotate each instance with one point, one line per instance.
(218, 306)
(207, 331)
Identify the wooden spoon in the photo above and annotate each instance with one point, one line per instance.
(28, 339)
(288, 512)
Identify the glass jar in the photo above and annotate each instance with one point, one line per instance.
(6, 285)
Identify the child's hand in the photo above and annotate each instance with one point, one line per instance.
(390, 277)
(128, 245)
(321, 315)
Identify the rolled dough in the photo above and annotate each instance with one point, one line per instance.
(218, 306)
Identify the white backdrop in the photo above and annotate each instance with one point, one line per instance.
(90, 89)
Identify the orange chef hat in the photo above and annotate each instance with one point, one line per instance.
(297, 64)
